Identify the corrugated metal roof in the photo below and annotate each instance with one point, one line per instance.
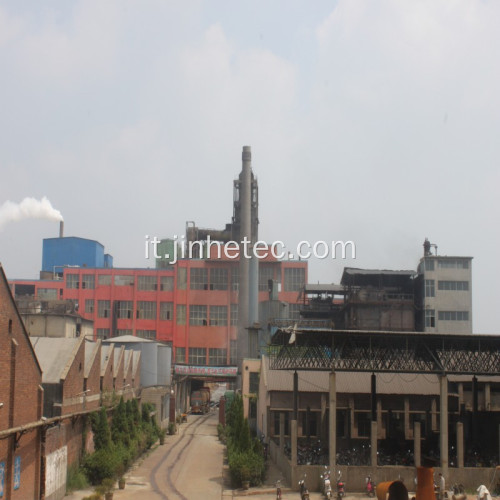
(351, 382)
(106, 350)
(328, 288)
(128, 359)
(118, 356)
(90, 353)
(137, 357)
(54, 355)
(354, 271)
(126, 338)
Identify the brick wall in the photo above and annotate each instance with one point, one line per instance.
(68, 433)
(21, 395)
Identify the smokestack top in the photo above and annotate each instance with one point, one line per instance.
(247, 153)
(61, 229)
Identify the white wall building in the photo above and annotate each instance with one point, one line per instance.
(447, 292)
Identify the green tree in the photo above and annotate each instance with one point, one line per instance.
(100, 428)
(120, 431)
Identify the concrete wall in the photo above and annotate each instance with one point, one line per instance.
(160, 397)
(449, 300)
(164, 364)
(249, 366)
(56, 464)
(354, 477)
(52, 325)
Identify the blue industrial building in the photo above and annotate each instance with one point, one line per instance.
(73, 251)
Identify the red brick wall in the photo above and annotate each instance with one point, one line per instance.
(68, 433)
(21, 395)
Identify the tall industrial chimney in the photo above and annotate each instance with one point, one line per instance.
(245, 231)
(61, 229)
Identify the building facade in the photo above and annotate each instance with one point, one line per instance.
(192, 304)
(446, 293)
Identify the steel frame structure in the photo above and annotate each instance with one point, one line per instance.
(374, 351)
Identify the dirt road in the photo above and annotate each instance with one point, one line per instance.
(191, 466)
(186, 467)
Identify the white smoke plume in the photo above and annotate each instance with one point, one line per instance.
(29, 208)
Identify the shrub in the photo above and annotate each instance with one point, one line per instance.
(245, 459)
(246, 466)
(107, 486)
(76, 479)
(102, 464)
(100, 428)
(119, 426)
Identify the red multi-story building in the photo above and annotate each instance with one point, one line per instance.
(193, 304)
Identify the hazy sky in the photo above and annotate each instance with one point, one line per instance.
(371, 121)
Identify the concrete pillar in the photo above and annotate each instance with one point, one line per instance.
(295, 395)
(433, 415)
(351, 417)
(460, 394)
(323, 422)
(293, 432)
(332, 417)
(373, 397)
(308, 424)
(460, 444)
(379, 419)
(487, 396)
(373, 436)
(417, 444)
(407, 417)
(171, 410)
(182, 405)
(475, 408)
(443, 428)
(282, 431)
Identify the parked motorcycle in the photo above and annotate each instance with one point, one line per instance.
(370, 486)
(327, 484)
(304, 492)
(340, 485)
